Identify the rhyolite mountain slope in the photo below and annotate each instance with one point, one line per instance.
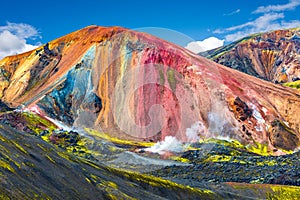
(272, 56)
(138, 87)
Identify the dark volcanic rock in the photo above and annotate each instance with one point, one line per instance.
(241, 109)
(282, 137)
(4, 107)
(31, 168)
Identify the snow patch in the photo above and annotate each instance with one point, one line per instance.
(192, 67)
(264, 110)
(258, 116)
(286, 123)
(34, 109)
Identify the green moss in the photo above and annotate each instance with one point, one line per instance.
(42, 147)
(219, 54)
(37, 124)
(260, 149)
(111, 196)
(63, 155)
(159, 182)
(4, 197)
(295, 84)
(257, 148)
(2, 138)
(104, 136)
(6, 165)
(20, 148)
(112, 184)
(232, 143)
(284, 192)
(267, 162)
(161, 77)
(180, 159)
(172, 79)
(49, 158)
(88, 180)
(89, 163)
(218, 158)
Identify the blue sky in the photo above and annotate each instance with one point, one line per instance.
(26, 24)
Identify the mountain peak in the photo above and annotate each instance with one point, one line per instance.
(135, 86)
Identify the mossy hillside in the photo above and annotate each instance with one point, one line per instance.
(263, 191)
(27, 121)
(61, 174)
(220, 153)
(49, 132)
(37, 124)
(216, 163)
(236, 147)
(159, 183)
(295, 84)
(281, 192)
(117, 141)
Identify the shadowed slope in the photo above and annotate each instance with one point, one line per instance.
(31, 168)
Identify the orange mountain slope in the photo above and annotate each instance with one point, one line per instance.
(135, 86)
(273, 56)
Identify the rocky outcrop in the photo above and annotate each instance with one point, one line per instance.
(272, 56)
(135, 86)
(282, 136)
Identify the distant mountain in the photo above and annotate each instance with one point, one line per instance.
(272, 56)
(135, 86)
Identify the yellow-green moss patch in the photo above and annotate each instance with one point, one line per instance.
(295, 84)
(104, 136)
(284, 192)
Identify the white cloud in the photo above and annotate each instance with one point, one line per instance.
(278, 8)
(272, 18)
(204, 45)
(233, 12)
(267, 22)
(218, 31)
(14, 38)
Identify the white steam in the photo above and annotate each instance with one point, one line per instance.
(59, 124)
(216, 123)
(169, 144)
(197, 129)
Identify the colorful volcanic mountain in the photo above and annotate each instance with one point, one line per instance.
(272, 56)
(138, 87)
(107, 113)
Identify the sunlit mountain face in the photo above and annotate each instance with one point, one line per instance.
(122, 114)
(272, 56)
